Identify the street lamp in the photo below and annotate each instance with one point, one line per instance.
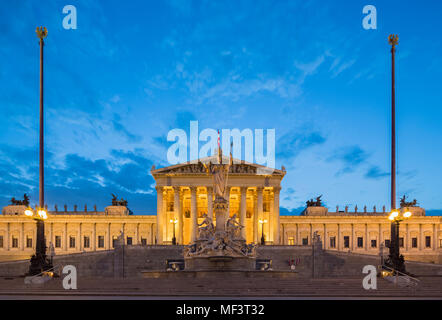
(39, 262)
(174, 222)
(262, 231)
(395, 259)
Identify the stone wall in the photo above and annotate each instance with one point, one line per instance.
(125, 261)
(129, 261)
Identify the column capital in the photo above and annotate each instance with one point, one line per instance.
(159, 188)
(209, 189)
(277, 189)
(243, 189)
(260, 189)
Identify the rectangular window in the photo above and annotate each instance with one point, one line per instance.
(401, 242)
(440, 243)
(346, 242)
(129, 241)
(427, 242)
(71, 242)
(143, 241)
(305, 241)
(360, 242)
(58, 241)
(1, 241)
(15, 242)
(114, 242)
(414, 242)
(332, 242)
(28, 242)
(86, 242)
(291, 241)
(100, 241)
(374, 243)
(387, 243)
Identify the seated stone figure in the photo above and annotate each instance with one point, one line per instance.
(233, 227)
(206, 228)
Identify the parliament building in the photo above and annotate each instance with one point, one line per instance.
(185, 194)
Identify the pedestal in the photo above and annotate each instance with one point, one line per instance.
(220, 207)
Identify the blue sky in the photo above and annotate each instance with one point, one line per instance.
(133, 70)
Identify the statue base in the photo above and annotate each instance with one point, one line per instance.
(220, 248)
(220, 207)
(220, 263)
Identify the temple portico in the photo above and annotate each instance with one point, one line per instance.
(185, 193)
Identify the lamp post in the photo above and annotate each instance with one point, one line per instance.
(395, 260)
(39, 262)
(393, 41)
(261, 221)
(174, 222)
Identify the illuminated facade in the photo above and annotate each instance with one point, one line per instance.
(185, 191)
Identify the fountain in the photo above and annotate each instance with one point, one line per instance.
(220, 247)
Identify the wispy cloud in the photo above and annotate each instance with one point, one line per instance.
(375, 172)
(350, 158)
(292, 143)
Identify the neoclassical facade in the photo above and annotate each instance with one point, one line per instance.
(185, 194)
(72, 231)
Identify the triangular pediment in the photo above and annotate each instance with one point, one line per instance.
(239, 167)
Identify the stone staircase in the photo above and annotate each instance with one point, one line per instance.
(228, 287)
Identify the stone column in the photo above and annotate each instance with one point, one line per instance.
(181, 221)
(435, 236)
(51, 226)
(22, 236)
(352, 237)
(242, 215)
(94, 237)
(152, 234)
(407, 241)
(124, 233)
(65, 244)
(380, 235)
(80, 242)
(193, 215)
(325, 243)
(210, 202)
(8, 236)
(255, 217)
(137, 233)
(276, 222)
(338, 237)
(298, 241)
(270, 222)
(259, 204)
(421, 241)
(160, 213)
(177, 213)
(366, 237)
(109, 237)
